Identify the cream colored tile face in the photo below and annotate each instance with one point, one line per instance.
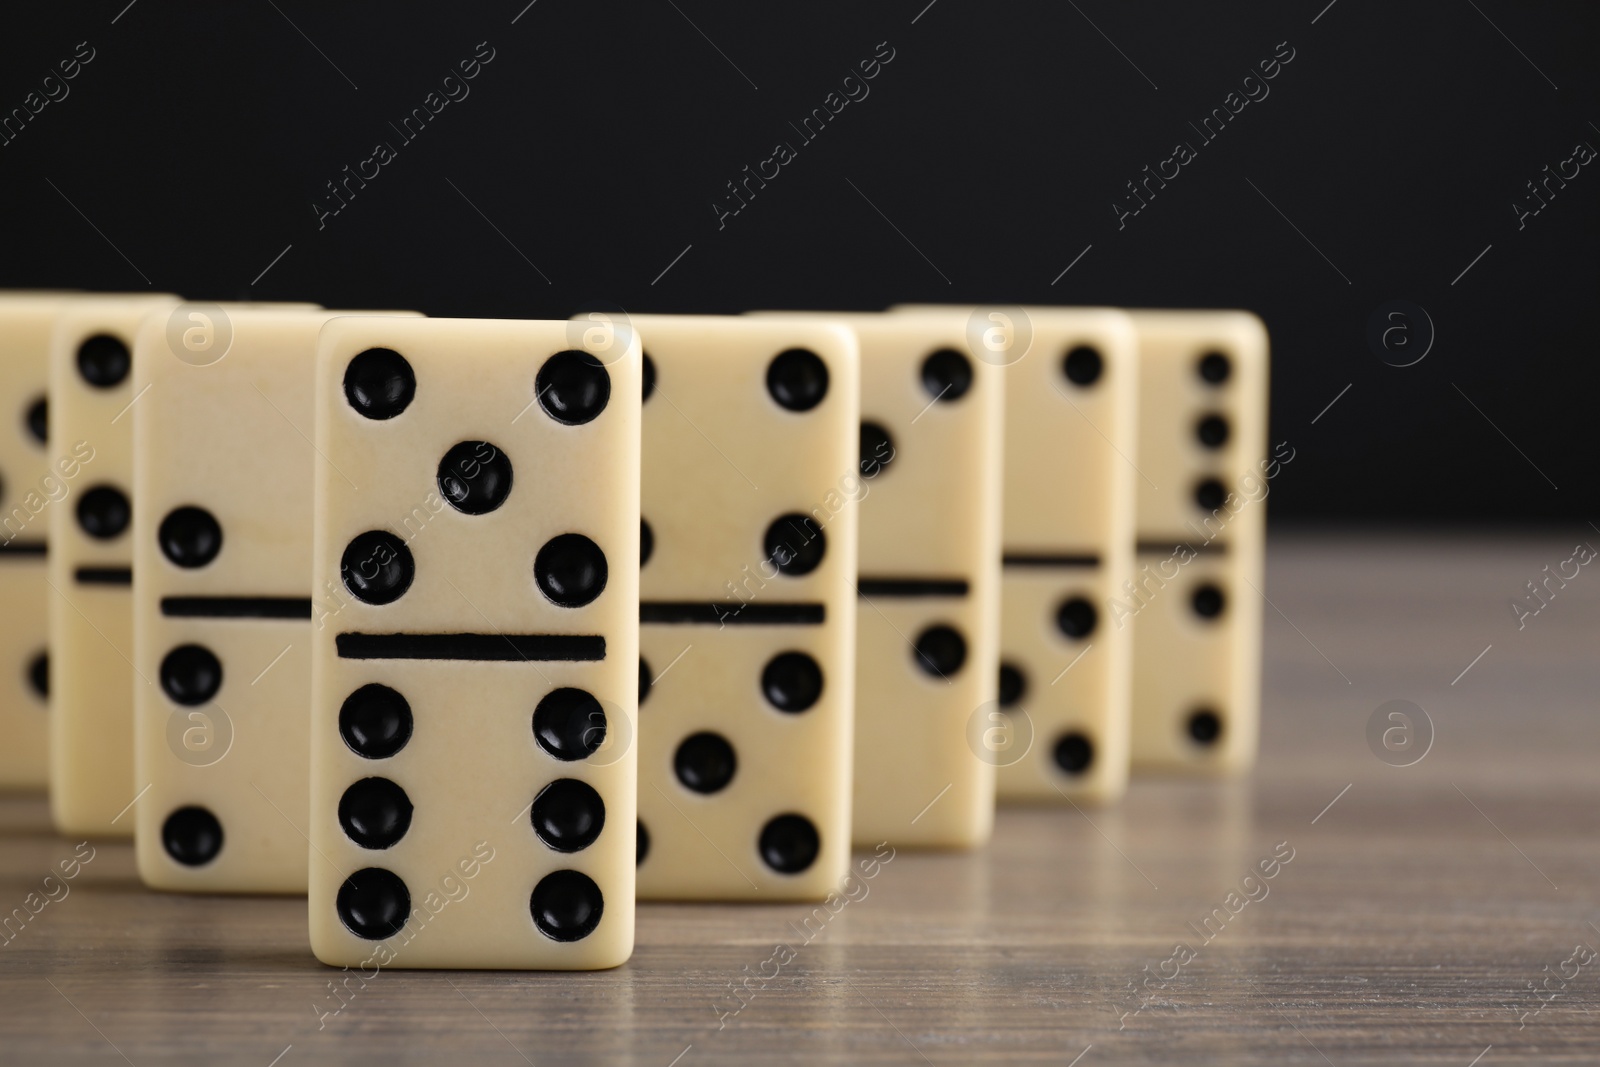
(928, 604)
(90, 570)
(474, 651)
(751, 483)
(1071, 380)
(223, 468)
(1071, 432)
(30, 484)
(1195, 607)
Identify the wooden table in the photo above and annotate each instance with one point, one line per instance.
(1421, 909)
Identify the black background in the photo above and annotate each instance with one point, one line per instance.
(588, 155)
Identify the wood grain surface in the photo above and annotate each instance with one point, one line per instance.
(1440, 913)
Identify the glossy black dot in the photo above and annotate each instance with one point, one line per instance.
(475, 477)
(795, 544)
(103, 361)
(375, 721)
(705, 762)
(1208, 601)
(1212, 431)
(192, 836)
(190, 536)
(569, 724)
(1076, 617)
(568, 815)
(566, 905)
(1210, 494)
(103, 512)
(379, 383)
(649, 376)
(647, 542)
(947, 375)
(790, 843)
(646, 679)
(1074, 753)
(191, 675)
(877, 449)
(571, 570)
(373, 903)
(641, 847)
(574, 387)
(797, 379)
(941, 650)
(38, 420)
(1214, 368)
(375, 813)
(1205, 727)
(1083, 365)
(39, 675)
(377, 567)
(792, 681)
(1013, 684)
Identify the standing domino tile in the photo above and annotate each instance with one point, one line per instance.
(475, 673)
(32, 480)
(1196, 599)
(223, 469)
(1072, 377)
(751, 477)
(90, 570)
(928, 595)
(1071, 436)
